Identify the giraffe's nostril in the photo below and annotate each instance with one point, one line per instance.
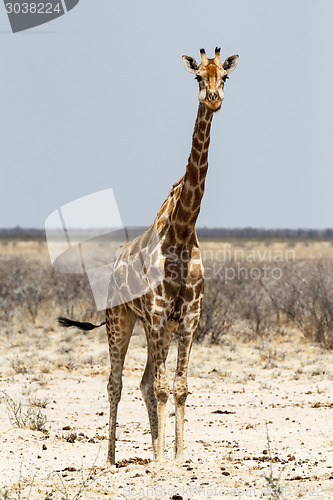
(213, 96)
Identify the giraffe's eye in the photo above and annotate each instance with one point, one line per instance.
(198, 78)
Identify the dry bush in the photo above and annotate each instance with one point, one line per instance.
(237, 294)
(304, 298)
(299, 295)
(27, 288)
(233, 295)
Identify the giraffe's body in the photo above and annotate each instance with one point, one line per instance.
(174, 305)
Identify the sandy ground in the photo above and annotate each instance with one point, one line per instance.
(240, 393)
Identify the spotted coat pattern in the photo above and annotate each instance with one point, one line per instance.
(173, 307)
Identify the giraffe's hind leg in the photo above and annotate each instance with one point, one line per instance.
(120, 322)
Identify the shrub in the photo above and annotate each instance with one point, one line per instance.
(302, 297)
(27, 287)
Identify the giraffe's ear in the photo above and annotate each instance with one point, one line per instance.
(230, 63)
(190, 64)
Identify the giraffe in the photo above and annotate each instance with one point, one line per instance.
(173, 307)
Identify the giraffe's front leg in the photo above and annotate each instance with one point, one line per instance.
(154, 385)
(147, 389)
(180, 387)
(162, 391)
(180, 391)
(161, 384)
(155, 391)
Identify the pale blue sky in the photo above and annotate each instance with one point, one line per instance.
(99, 98)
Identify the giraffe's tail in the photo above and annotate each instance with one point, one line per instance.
(65, 322)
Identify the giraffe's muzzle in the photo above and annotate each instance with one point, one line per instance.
(213, 100)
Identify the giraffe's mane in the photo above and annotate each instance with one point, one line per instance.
(176, 187)
(177, 184)
(169, 203)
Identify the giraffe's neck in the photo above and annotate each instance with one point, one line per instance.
(178, 214)
(188, 207)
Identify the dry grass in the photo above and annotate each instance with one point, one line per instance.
(242, 290)
(310, 249)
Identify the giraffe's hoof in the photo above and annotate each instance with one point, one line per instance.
(179, 460)
(111, 461)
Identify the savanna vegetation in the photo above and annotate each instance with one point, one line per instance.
(245, 290)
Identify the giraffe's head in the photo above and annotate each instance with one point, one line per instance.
(211, 75)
